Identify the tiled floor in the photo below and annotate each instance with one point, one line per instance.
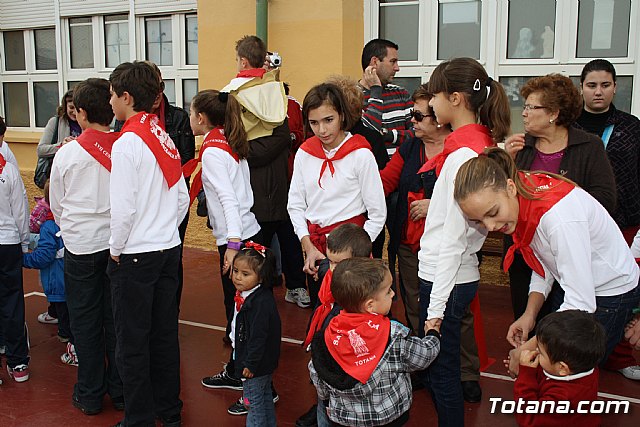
(45, 400)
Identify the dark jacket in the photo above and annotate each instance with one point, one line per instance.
(584, 162)
(257, 343)
(375, 140)
(623, 151)
(268, 166)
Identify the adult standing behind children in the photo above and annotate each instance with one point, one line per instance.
(149, 200)
(80, 204)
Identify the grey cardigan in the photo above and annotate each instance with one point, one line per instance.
(45, 148)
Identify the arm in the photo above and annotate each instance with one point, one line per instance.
(123, 193)
(56, 191)
(20, 209)
(216, 168)
(390, 175)
(321, 387)
(263, 318)
(183, 200)
(46, 251)
(635, 246)
(372, 193)
(45, 148)
(520, 329)
(418, 353)
(264, 150)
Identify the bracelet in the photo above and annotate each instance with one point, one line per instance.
(236, 246)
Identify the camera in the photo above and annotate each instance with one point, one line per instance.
(274, 59)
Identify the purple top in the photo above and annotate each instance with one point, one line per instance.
(547, 162)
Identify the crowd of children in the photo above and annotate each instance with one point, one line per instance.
(108, 252)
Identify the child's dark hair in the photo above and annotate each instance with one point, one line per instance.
(222, 109)
(140, 80)
(3, 126)
(349, 237)
(332, 95)
(261, 260)
(92, 95)
(253, 49)
(483, 95)
(574, 337)
(355, 280)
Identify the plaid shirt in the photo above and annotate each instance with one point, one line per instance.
(387, 393)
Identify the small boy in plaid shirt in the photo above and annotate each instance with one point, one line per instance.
(361, 362)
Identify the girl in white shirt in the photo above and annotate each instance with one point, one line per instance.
(563, 233)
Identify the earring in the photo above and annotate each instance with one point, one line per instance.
(551, 121)
(438, 126)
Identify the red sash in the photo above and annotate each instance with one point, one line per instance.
(474, 136)
(146, 126)
(548, 191)
(313, 146)
(252, 72)
(215, 138)
(413, 230)
(98, 145)
(357, 342)
(325, 297)
(3, 162)
(318, 235)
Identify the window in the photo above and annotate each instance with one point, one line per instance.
(116, 40)
(159, 40)
(459, 28)
(531, 32)
(192, 39)
(46, 101)
(16, 104)
(400, 23)
(170, 91)
(598, 37)
(14, 54)
(81, 42)
(45, 46)
(189, 90)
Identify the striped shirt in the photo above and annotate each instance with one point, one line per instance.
(388, 108)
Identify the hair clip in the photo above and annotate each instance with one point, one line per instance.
(476, 85)
(256, 247)
(223, 96)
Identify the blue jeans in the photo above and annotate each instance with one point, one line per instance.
(259, 399)
(443, 375)
(322, 417)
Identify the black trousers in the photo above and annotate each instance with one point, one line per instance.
(88, 292)
(12, 305)
(290, 248)
(182, 231)
(145, 311)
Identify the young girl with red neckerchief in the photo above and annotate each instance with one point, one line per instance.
(360, 363)
(563, 233)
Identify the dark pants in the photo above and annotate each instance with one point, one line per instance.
(62, 313)
(182, 230)
(292, 258)
(145, 311)
(12, 305)
(88, 292)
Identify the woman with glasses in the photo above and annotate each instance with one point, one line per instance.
(552, 144)
(401, 174)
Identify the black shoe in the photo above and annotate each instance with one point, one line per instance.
(238, 408)
(172, 421)
(118, 403)
(471, 391)
(309, 419)
(85, 409)
(222, 380)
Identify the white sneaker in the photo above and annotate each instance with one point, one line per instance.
(20, 373)
(46, 319)
(298, 296)
(70, 357)
(631, 372)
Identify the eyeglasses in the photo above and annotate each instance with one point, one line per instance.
(419, 116)
(529, 107)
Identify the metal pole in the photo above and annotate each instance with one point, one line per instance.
(262, 19)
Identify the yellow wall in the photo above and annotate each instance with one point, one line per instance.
(24, 145)
(314, 38)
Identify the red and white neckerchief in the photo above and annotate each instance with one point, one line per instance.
(547, 191)
(147, 127)
(314, 147)
(214, 138)
(3, 163)
(325, 297)
(474, 136)
(98, 145)
(252, 72)
(357, 342)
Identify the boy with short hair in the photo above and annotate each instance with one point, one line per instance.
(149, 199)
(79, 199)
(360, 364)
(570, 345)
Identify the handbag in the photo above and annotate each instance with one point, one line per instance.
(43, 167)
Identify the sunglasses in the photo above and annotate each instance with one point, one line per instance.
(419, 116)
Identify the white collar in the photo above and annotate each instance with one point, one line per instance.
(569, 377)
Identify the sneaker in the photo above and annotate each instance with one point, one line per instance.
(631, 372)
(274, 394)
(20, 373)
(83, 408)
(47, 319)
(238, 408)
(70, 357)
(222, 380)
(298, 296)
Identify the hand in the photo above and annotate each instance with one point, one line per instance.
(370, 76)
(228, 261)
(312, 255)
(68, 139)
(512, 363)
(519, 330)
(419, 209)
(513, 144)
(530, 358)
(432, 324)
(247, 373)
(116, 259)
(632, 333)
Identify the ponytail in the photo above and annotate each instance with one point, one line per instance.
(495, 112)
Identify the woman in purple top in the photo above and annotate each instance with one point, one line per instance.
(552, 144)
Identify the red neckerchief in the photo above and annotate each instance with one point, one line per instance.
(146, 126)
(357, 341)
(252, 72)
(98, 145)
(548, 191)
(161, 109)
(325, 297)
(318, 235)
(239, 300)
(49, 216)
(474, 136)
(214, 138)
(314, 147)
(3, 162)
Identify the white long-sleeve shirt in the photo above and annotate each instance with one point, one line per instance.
(8, 154)
(229, 196)
(79, 200)
(145, 213)
(635, 245)
(355, 188)
(449, 243)
(579, 245)
(14, 208)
